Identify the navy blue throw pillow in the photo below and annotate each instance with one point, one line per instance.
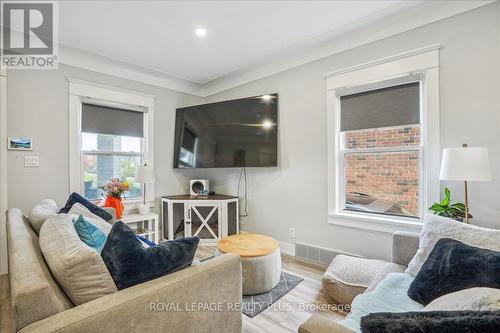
(130, 263)
(453, 266)
(432, 321)
(75, 197)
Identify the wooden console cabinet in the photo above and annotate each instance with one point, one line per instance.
(209, 217)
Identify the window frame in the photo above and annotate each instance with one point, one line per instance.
(87, 92)
(423, 62)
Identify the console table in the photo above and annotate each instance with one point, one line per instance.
(209, 217)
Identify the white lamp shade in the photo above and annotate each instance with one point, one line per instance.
(465, 164)
(145, 174)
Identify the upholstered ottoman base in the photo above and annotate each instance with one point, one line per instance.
(347, 276)
(260, 260)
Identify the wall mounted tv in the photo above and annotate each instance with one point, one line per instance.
(229, 134)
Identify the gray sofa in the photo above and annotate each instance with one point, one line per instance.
(404, 247)
(40, 305)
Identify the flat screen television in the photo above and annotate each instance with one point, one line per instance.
(230, 134)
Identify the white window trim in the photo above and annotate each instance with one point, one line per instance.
(80, 91)
(425, 61)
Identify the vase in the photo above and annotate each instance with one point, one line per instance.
(115, 203)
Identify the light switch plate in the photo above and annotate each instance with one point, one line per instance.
(31, 161)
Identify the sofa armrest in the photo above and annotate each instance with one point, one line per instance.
(404, 247)
(112, 211)
(202, 298)
(319, 324)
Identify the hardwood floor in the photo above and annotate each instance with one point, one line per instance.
(303, 300)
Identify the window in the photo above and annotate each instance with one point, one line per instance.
(383, 141)
(112, 146)
(380, 150)
(111, 132)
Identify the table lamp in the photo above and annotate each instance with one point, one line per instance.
(467, 164)
(145, 175)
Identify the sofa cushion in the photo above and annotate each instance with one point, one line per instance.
(40, 212)
(34, 293)
(389, 296)
(77, 198)
(476, 299)
(78, 268)
(437, 227)
(130, 263)
(454, 266)
(89, 233)
(432, 321)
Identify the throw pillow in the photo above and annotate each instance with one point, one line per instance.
(437, 227)
(89, 233)
(454, 266)
(79, 269)
(40, 212)
(77, 198)
(477, 299)
(130, 263)
(79, 209)
(432, 321)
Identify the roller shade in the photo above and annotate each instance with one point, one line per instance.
(391, 106)
(114, 121)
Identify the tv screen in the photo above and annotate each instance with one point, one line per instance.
(236, 133)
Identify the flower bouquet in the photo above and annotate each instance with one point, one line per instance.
(114, 191)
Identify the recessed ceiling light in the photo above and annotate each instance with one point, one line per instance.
(200, 32)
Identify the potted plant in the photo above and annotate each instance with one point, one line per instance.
(114, 191)
(445, 208)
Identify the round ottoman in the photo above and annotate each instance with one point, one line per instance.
(260, 260)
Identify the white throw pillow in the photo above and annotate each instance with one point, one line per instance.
(437, 227)
(78, 268)
(79, 209)
(40, 212)
(475, 299)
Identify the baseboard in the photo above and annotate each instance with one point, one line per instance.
(287, 248)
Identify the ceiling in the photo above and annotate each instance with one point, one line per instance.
(154, 42)
(159, 35)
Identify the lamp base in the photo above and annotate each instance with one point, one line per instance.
(144, 209)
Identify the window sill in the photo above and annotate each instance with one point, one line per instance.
(374, 223)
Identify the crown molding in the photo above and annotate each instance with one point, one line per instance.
(387, 23)
(86, 60)
(395, 20)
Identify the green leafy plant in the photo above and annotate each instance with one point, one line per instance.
(445, 208)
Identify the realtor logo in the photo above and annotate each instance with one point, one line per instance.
(29, 34)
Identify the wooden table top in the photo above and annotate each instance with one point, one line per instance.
(248, 245)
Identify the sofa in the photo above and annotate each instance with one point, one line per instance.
(40, 305)
(387, 293)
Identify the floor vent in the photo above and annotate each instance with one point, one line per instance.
(316, 254)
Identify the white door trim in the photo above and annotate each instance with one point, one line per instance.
(3, 170)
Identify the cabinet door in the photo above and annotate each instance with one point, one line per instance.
(204, 220)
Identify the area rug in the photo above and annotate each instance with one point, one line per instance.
(255, 304)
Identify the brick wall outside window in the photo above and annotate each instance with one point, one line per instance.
(393, 176)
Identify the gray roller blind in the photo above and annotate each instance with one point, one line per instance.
(114, 121)
(391, 106)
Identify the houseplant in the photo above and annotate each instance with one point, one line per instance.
(114, 191)
(445, 208)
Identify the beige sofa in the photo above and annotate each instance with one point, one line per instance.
(40, 305)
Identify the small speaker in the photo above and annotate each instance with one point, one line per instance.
(198, 187)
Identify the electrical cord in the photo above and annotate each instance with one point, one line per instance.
(245, 198)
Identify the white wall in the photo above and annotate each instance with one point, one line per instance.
(37, 107)
(294, 194)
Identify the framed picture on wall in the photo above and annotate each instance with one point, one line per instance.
(18, 143)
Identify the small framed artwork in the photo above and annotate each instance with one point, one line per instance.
(17, 143)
